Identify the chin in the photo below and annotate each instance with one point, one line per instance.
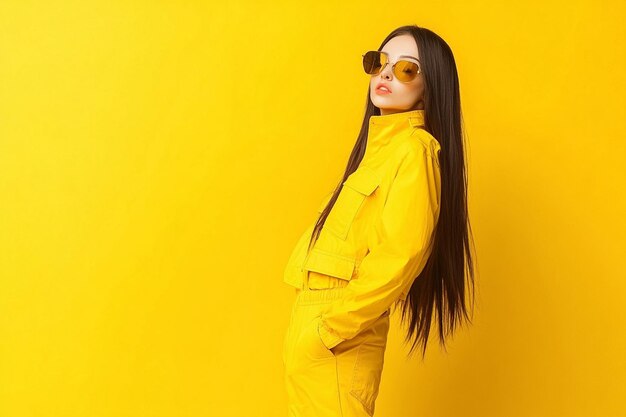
(384, 104)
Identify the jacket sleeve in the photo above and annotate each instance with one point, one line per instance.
(403, 237)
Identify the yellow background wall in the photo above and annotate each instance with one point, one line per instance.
(158, 159)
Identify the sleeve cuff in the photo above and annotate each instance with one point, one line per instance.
(328, 336)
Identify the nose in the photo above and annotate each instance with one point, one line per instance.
(386, 71)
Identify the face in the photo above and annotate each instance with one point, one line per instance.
(404, 96)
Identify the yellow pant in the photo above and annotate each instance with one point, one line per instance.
(338, 382)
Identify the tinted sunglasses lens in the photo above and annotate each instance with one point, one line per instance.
(405, 70)
(373, 62)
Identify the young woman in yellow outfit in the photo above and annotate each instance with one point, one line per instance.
(394, 233)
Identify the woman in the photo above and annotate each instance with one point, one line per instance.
(393, 234)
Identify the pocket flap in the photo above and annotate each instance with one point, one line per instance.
(328, 263)
(364, 180)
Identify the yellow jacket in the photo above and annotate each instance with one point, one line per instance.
(377, 238)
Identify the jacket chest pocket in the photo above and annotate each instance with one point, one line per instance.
(356, 188)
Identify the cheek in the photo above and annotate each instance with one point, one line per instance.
(408, 90)
(413, 88)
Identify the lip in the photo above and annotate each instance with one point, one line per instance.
(379, 91)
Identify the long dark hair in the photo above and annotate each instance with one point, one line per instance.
(441, 285)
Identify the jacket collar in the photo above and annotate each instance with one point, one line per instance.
(383, 127)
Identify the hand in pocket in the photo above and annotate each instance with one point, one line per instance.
(313, 344)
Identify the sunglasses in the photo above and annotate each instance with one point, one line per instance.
(375, 61)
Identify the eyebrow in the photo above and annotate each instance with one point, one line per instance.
(403, 56)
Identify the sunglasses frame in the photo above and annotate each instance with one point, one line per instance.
(393, 67)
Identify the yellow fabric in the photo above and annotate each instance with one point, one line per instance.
(339, 382)
(377, 238)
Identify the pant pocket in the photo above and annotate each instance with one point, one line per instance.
(311, 344)
(368, 366)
